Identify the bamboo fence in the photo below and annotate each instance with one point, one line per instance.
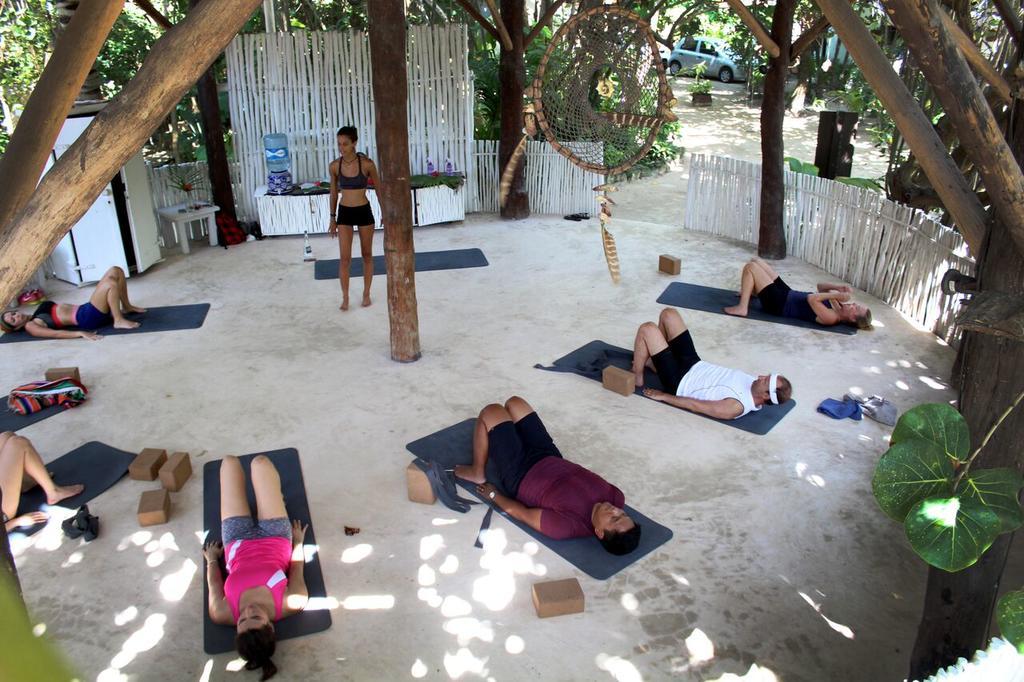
(891, 251)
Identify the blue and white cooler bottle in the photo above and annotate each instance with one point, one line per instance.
(279, 176)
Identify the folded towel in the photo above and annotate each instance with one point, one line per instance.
(880, 409)
(840, 409)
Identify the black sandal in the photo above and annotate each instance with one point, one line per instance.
(93, 530)
(577, 216)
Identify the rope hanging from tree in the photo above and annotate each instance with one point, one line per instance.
(600, 97)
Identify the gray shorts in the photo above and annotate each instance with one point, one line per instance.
(248, 528)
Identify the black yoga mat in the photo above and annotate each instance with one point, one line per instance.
(218, 639)
(712, 300)
(455, 259)
(12, 421)
(454, 445)
(163, 319)
(95, 465)
(591, 359)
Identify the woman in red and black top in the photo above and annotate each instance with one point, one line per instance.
(537, 486)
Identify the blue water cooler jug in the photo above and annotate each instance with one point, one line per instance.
(279, 176)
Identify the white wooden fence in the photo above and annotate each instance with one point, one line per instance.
(308, 84)
(165, 194)
(891, 251)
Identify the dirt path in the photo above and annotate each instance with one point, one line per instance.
(727, 128)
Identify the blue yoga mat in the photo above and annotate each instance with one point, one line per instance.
(162, 319)
(12, 421)
(218, 639)
(590, 360)
(454, 445)
(712, 300)
(95, 465)
(455, 259)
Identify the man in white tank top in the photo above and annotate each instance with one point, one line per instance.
(696, 385)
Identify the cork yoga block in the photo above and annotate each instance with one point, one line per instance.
(154, 507)
(619, 380)
(55, 373)
(419, 485)
(557, 598)
(670, 265)
(175, 471)
(147, 464)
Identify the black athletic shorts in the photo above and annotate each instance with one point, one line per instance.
(356, 216)
(674, 362)
(773, 297)
(513, 448)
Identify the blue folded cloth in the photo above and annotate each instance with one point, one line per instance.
(841, 409)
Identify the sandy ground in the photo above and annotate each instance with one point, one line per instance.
(780, 556)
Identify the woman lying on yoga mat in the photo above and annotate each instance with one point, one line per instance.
(830, 305)
(351, 173)
(538, 487)
(264, 562)
(18, 460)
(107, 306)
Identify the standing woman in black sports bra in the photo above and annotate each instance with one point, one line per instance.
(349, 175)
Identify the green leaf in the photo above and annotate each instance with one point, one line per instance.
(951, 533)
(937, 423)
(1010, 616)
(997, 489)
(909, 472)
(863, 183)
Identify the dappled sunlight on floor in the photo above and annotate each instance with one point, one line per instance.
(620, 669)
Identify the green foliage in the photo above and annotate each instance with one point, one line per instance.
(26, 658)
(997, 489)
(424, 181)
(130, 40)
(863, 183)
(908, 473)
(1010, 617)
(700, 85)
(25, 35)
(951, 533)
(798, 166)
(939, 424)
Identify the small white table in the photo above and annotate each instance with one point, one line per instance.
(180, 215)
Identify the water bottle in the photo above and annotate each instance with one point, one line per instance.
(275, 148)
(430, 166)
(307, 251)
(449, 169)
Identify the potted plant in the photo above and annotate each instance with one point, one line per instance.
(700, 89)
(185, 180)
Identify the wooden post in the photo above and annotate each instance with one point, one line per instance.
(390, 105)
(769, 43)
(975, 58)
(771, 241)
(947, 180)
(512, 84)
(48, 105)
(213, 138)
(119, 131)
(937, 54)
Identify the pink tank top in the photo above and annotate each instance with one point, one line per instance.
(255, 563)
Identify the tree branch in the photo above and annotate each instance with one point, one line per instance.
(542, 22)
(153, 13)
(506, 39)
(480, 19)
(756, 27)
(808, 37)
(975, 58)
(1011, 20)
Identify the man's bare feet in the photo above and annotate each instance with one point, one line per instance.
(366, 300)
(134, 309)
(125, 324)
(344, 304)
(655, 394)
(466, 472)
(63, 492)
(27, 520)
(736, 310)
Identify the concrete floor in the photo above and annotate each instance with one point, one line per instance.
(780, 556)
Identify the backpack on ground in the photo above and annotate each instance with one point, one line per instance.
(228, 231)
(38, 395)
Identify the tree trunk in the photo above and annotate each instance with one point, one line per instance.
(958, 606)
(947, 180)
(390, 95)
(119, 131)
(512, 77)
(213, 135)
(48, 106)
(772, 237)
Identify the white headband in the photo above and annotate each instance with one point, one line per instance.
(773, 383)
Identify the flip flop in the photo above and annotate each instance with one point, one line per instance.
(93, 530)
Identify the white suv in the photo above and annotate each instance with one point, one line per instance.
(721, 62)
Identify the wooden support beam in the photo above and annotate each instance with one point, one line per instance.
(1012, 21)
(390, 106)
(975, 58)
(755, 27)
(940, 60)
(48, 105)
(506, 39)
(947, 180)
(808, 37)
(115, 135)
(480, 18)
(154, 14)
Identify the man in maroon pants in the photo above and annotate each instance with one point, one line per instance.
(537, 486)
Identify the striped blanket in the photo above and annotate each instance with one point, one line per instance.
(38, 395)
